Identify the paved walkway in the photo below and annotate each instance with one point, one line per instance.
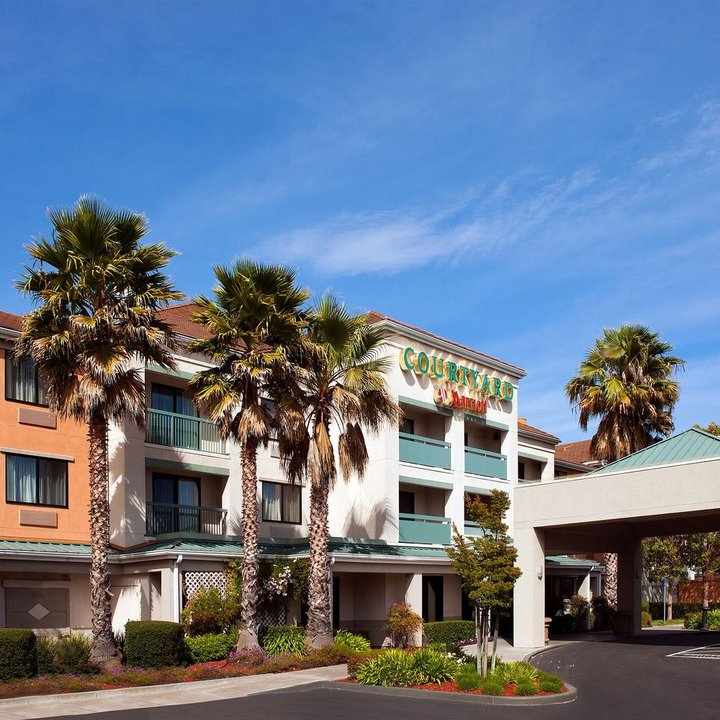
(161, 695)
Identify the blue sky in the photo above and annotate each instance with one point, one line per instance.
(515, 176)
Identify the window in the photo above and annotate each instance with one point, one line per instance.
(36, 481)
(407, 426)
(175, 505)
(281, 503)
(173, 400)
(22, 382)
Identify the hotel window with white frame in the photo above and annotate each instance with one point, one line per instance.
(36, 481)
(281, 503)
(22, 381)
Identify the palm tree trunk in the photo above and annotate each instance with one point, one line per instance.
(248, 632)
(610, 560)
(104, 650)
(319, 626)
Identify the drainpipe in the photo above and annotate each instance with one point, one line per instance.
(177, 591)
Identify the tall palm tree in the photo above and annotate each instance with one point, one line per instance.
(626, 381)
(339, 380)
(255, 318)
(97, 290)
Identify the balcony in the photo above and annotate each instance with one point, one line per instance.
(424, 451)
(485, 463)
(472, 529)
(162, 518)
(429, 529)
(183, 431)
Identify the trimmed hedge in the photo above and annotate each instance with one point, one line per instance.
(679, 610)
(449, 632)
(18, 655)
(154, 643)
(204, 648)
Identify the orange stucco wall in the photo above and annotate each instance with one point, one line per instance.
(68, 439)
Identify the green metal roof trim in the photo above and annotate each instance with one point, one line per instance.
(566, 561)
(167, 371)
(43, 546)
(689, 445)
(407, 480)
(343, 546)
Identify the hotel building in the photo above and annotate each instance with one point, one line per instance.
(175, 492)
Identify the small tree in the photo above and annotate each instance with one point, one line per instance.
(486, 566)
(661, 558)
(403, 622)
(701, 553)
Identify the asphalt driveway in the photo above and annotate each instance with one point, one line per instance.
(617, 680)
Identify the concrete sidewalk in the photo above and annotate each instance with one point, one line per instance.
(161, 695)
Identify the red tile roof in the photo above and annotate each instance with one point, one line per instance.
(575, 452)
(179, 318)
(374, 316)
(522, 425)
(11, 321)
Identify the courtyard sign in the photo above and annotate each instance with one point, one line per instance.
(456, 376)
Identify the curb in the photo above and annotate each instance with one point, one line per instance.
(559, 699)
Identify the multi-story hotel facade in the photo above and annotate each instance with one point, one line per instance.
(175, 491)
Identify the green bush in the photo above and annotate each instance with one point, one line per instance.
(392, 668)
(562, 624)
(646, 619)
(492, 685)
(526, 688)
(351, 641)
(550, 683)
(449, 632)
(154, 643)
(467, 678)
(680, 610)
(281, 639)
(519, 672)
(45, 649)
(18, 656)
(433, 667)
(208, 613)
(204, 648)
(72, 654)
(357, 659)
(694, 620)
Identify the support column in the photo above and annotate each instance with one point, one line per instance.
(529, 605)
(413, 596)
(629, 596)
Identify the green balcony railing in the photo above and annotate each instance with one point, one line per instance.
(424, 529)
(473, 529)
(424, 451)
(163, 518)
(485, 463)
(183, 431)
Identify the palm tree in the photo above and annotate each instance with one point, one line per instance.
(338, 381)
(626, 382)
(97, 290)
(255, 318)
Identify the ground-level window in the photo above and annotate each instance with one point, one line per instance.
(22, 382)
(281, 503)
(36, 481)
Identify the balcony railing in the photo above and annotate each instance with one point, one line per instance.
(163, 518)
(424, 529)
(485, 463)
(183, 431)
(473, 529)
(424, 451)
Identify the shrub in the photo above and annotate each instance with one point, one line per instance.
(517, 673)
(492, 685)
(467, 678)
(72, 654)
(153, 643)
(351, 641)
(203, 648)
(646, 619)
(550, 683)
(449, 632)
(45, 649)
(392, 668)
(526, 688)
(433, 667)
(250, 657)
(562, 623)
(357, 659)
(208, 613)
(603, 613)
(18, 656)
(403, 623)
(280, 639)
(694, 620)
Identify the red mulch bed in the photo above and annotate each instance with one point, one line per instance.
(452, 687)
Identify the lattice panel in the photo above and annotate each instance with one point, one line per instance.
(275, 615)
(194, 580)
